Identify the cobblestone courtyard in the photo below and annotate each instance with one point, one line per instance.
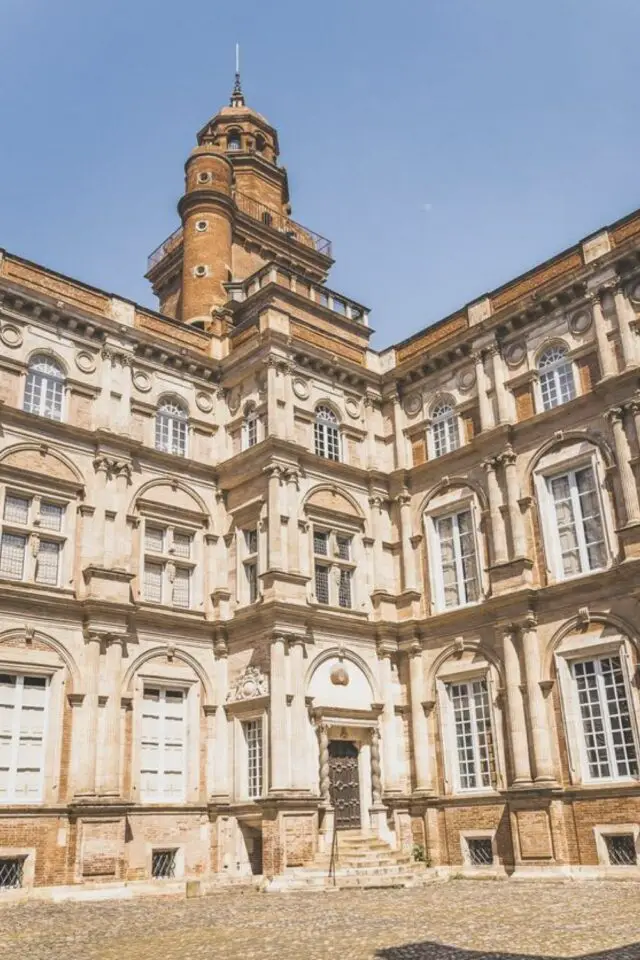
(460, 920)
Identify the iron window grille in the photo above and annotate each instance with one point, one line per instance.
(480, 851)
(11, 872)
(621, 850)
(557, 385)
(163, 864)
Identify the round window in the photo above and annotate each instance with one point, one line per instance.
(204, 177)
(201, 225)
(200, 271)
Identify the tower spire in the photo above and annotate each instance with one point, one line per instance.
(237, 96)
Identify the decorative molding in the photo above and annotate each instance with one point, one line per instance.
(249, 685)
(204, 402)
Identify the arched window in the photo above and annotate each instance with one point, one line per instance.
(171, 428)
(44, 388)
(260, 143)
(444, 429)
(326, 434)
(557, 385)
(250, 427)
(234, 142)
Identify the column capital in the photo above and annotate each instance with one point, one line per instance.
(402, 499)
(414, 649)
(615, 414)
(376, 502)
(477, 355)
(530, 622)
(594, 296)
(490, 464)
(273, 470)
(508, 456)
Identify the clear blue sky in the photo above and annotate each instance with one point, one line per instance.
(443, 145)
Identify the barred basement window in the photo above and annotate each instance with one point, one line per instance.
(621, 849)
(163, 864)
(480, 851)
(11, 872)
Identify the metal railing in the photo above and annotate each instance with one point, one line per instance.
(165, 247)
(278, 221)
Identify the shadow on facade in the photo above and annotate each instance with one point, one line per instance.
(440, 951)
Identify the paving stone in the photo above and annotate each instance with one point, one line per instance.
(458, 920)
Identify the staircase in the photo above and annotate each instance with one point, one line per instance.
(362, 862)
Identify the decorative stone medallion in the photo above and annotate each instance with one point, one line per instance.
(301, 388)
(204, 402)
(85, 361)
(412, 404)
(580, 321)
(141, 381)
(11, 335)
(352, 407)
(515, 353)
(250, 684)
(466, 379)
(339, 676)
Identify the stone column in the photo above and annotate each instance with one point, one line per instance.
(293, 541)
(369, 409)
(323, 742)
(274, 522)
(486, 413)
(113, 713)
(408, 564)
(299, 716)
(122, 546)
(518, 533)
(497, 520)
(104, 410)
(623, 455)
(389, 741)
(627, 334)
(220, 726)
(376, 778)
(287, 374)
(89, 732)
(540, 734)
(498, 385)
(605, 353)
(419, 729)
(515, 707)
(272, 398)
(376, 529)
(399, 441)
(101, 466)
(278, 716)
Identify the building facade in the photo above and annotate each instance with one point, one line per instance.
(260, 582)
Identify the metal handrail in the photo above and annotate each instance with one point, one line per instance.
(334, 855)
(160, 252)
(278, 221)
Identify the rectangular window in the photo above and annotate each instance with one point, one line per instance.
(610, 747)
(344, 589)
(253, 738)
(11, 872)
(480, 851)
(251, 541)
(163, 864)
(51, 515)
(152, 586)
(474, 738)
(457, 572)
(343, 545)
(252, 431)
(13, 548)
(251, 574)
(320, 543)
(16, 509)
(48, 562)
(182, 587)
(621, 850)
(162, 745)
(23, 703)
(182, 545)
(578, 522)
(322, 583)
(153, 539)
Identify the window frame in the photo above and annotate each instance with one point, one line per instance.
(174, 446)
(451, 739)
(249, 560)
(552, 370)
(169, 562)
(163, 686)
(250, 429)
(451, 425)
(452, 509)
(327, 433)
(333, 563)
(44, 379)
(547, 514)
(34, 534)
(21, 673)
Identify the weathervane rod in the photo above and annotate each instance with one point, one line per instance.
(237, 58)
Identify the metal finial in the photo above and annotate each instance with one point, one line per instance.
(237, 97)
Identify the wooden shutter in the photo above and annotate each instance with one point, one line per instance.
(524, 402)
(471, 424)
(418, 450)
(588, 371)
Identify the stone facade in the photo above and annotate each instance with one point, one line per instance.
(234, 536)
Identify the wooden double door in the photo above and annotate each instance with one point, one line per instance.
(344, 783)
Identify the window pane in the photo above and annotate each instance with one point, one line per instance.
(464, 736)
(625, 757)
(592, 719)
(253, 736)
(344, 547)
(320, 543)
(153, 539)
(152, 586)
(322, 584)
(565, 523)
(251, 541)
(591, 519)
(344, 589)
(12, 554)
(47, 562)
(474, 736)
(51, 515)
(16, 509)
(22, 722)
(182, 544)
(251, 574)
(181, 587)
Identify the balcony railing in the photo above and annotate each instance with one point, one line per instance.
(277, 221)
(166, 247)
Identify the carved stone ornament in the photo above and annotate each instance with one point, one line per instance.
(515, 353)
(301, 388)
(466, 379)
(339, 676)
(412, 404)
(352, 406)
(204, 402)
(141, 381)
(85, 361)
(250, 684)
(233, 401)
(580, 321)
(11, 335)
